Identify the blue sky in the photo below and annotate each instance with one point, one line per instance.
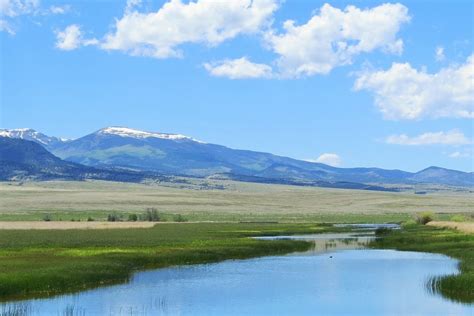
(373, 84)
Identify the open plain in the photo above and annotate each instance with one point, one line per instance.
(213, 200)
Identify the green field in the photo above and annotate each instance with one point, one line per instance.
(36, 263)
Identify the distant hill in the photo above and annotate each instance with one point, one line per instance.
(22, 159)
(443, 176)
(175, 154)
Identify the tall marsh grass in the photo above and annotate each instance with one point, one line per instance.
(458, 245)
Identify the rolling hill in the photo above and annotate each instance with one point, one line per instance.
(26, 160)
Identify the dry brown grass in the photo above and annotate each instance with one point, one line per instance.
(27, 225)
(238, 197)
(467, 227)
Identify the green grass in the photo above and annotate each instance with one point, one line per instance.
(203, 216)
(101, 215)
(437, 240)
(39, 263)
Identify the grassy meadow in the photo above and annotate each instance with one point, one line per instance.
(237, 201)
(220, 217)
(35, 263)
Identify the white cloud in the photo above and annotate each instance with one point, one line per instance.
(13, 8)
(71, 38)
(329, 159)
(453, 137)
(131, 5)
(238, 69)
(10, 9)
(55, 9)
(458, 154)
(403, 92)
(439, 53)
(334, 36)
(159, 34)
(6, 27)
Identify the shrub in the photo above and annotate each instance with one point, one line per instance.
(179, 218)
(458, 218)
(382, 231)
(424, 218)
(47, 218)
(409, 223)
(132, 217)
(113, 218)
(152, 215)
(90, 219)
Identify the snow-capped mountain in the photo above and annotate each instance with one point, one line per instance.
(134, 133)
(176, 154)
(30, 134)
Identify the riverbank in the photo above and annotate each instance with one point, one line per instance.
(34, 225)
(467, 227)
(453, 243)
(40, 263)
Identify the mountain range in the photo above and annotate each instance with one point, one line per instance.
(27, 160)
(129, 150)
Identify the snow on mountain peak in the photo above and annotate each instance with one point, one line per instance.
(28, 134)
(134, 133)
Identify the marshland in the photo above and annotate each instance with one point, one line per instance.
(62, 267)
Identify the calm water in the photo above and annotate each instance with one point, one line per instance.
(337, 277)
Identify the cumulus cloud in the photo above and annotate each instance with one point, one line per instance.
(71, 38)
(403, 92)
(331, 38)
(329, 159)
(453, 137)
(240, 68)
(159, 34)
(334, 37)
(439, 54)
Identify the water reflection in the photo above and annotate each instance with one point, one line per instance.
(329, 242)
(337, 277)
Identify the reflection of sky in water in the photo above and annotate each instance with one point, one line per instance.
(330, 242)
(343, 281)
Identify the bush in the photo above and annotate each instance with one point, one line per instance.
(132, 217)
(152, 215)
(409, 223)
(47, 218)
(179, 218)
(458, 218)
(113, 218)
(424, 218)
(90, 219)
(382, 231)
